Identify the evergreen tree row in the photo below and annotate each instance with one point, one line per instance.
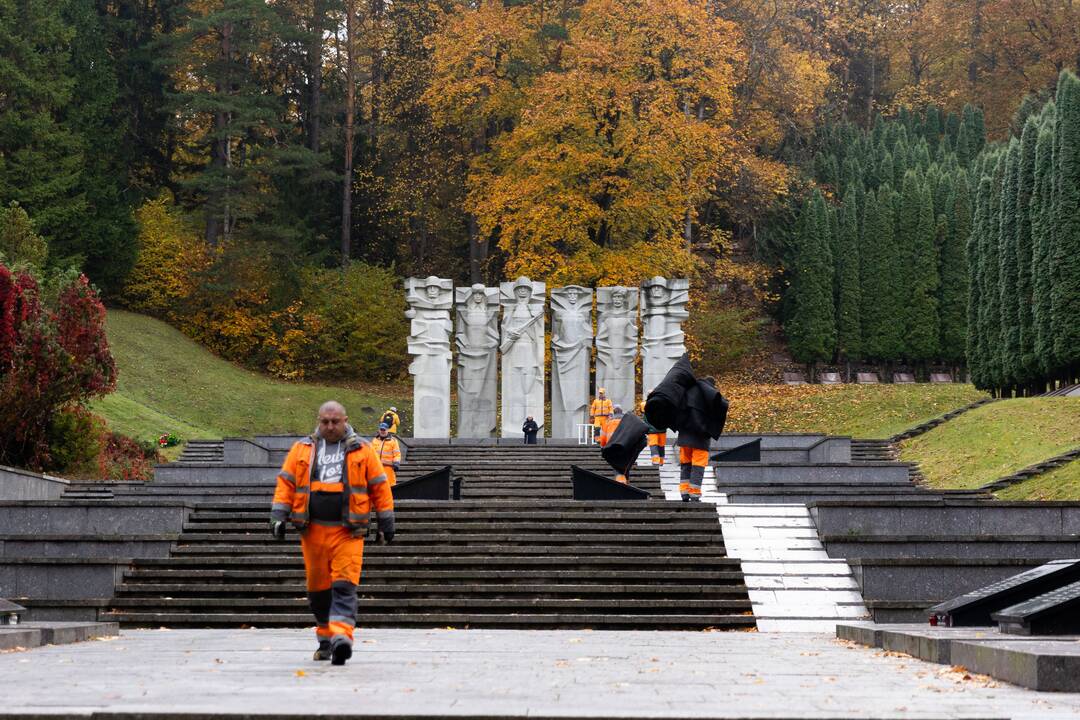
(1024, 253)
(877, 271)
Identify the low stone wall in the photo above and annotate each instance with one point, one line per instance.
(241, 451)
(17, 484)
(217, 473)
(759, 474)
(102, 518)
(946, 518)
(61, 578)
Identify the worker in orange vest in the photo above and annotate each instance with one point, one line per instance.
(608, 430)
(326, 488)
(657, 440)
(388, 451)
(600, 410)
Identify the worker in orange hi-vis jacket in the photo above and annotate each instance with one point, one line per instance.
(389, 452)
(326, 488)
(657, 440)
(600, 409)
(608, 430)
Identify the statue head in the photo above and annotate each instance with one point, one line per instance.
(618, 298)
(523, 289)
(572, 295)
(658, 290)
(432, 288)
(478, 295)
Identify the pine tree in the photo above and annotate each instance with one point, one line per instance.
(976, 339)
(921, 322)
(990, 257)
(105, 235)
(812, 329)
(1065, 257)
(1042, 241)
(1008, 265)
(848, 295)
(879, 284)
(41, 159)
(1025, 189)
(953, 271)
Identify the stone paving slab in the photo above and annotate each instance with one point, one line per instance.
(1050, 663)
(33, 634)
(480, 673)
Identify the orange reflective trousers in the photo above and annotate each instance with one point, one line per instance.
(692, 464)
(332, 562)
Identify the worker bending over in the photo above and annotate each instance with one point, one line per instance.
(326, 488)
(608, 430)
(392, 420)
(388, 450)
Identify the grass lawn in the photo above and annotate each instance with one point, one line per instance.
(865, 411)
(167, 383)
(995, 440)
(1060, 484)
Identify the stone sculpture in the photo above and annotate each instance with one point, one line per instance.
(430, 300)
(522, 350)
(477, 373)
(616, 343)
(663, 310)
(571, 345)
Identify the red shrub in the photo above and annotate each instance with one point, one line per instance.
(50, 358)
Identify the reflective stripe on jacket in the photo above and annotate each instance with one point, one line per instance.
(608, 429)
(387, 450)
(363, 483)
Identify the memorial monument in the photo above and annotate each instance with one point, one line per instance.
(430, 300)
(571, 343)
(522, 350)
(477, 342)
(616, 343)
(663, 310)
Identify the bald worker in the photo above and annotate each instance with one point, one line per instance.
(326, 489)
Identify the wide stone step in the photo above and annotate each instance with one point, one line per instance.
(520, 581)
(431, 604)
(289, 581)
(515, 620)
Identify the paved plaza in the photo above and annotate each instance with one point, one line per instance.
(399, 673)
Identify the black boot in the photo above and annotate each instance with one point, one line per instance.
(323, 653)
(340, 651)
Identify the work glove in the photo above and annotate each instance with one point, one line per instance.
(396, 466)
(277, 529)
(386, 526)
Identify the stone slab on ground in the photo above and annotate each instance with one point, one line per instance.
(471, 673)
(35, 634)
(1040, 663)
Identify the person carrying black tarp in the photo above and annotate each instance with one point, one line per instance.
(697, 410)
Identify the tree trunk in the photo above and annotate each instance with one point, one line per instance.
(217, 201)
(478, 251)
(976, 38)
(315, 68)
(350, 110)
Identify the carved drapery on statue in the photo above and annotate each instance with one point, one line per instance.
(477, 373)
(522, 347)
(663, 310)
(430, 300)
(571, 345)
(616, 343)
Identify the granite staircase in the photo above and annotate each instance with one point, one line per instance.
(515, 552)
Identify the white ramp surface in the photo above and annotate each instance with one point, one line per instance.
(794, 585)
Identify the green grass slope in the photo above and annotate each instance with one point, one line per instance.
(995, 440)
(1060, 484)
(862, 411)
(167, 383)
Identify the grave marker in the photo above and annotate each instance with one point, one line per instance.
(976, 607)
(1053, 613)
(866, 378)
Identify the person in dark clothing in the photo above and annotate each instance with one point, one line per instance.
(530, 428)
